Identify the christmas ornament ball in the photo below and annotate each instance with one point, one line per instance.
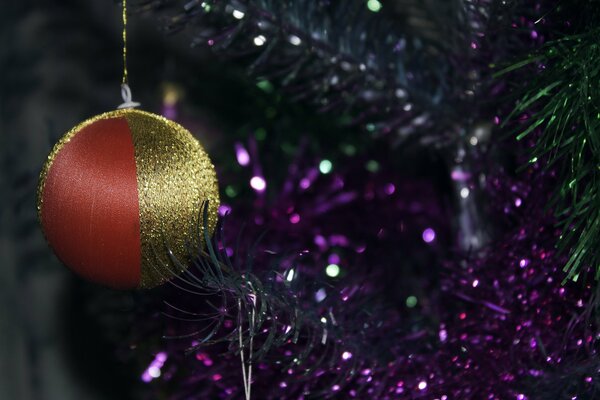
(120, 189)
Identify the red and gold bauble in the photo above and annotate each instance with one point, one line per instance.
(120, 189)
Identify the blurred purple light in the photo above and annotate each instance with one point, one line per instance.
(428, 235)
(243, 158)
(321, 242)
(518, 202)
(333, 258)
(224, 209)
(460, 175)
(304, 183)
(146, 377)
(153, 370)
(169, 111)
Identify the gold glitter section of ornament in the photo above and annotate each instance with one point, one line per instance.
(58, 147)
(175, 178)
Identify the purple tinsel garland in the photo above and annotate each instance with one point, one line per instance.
(500, 325)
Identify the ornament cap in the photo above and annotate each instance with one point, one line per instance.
(127, 98)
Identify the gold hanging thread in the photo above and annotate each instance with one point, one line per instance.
(124, 42)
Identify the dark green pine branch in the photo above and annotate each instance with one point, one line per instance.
(565, 99)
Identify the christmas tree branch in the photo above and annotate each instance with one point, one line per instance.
(565, 95)
(262, 311)
(402, 71)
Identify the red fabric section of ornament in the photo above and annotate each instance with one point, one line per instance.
(90, 210)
